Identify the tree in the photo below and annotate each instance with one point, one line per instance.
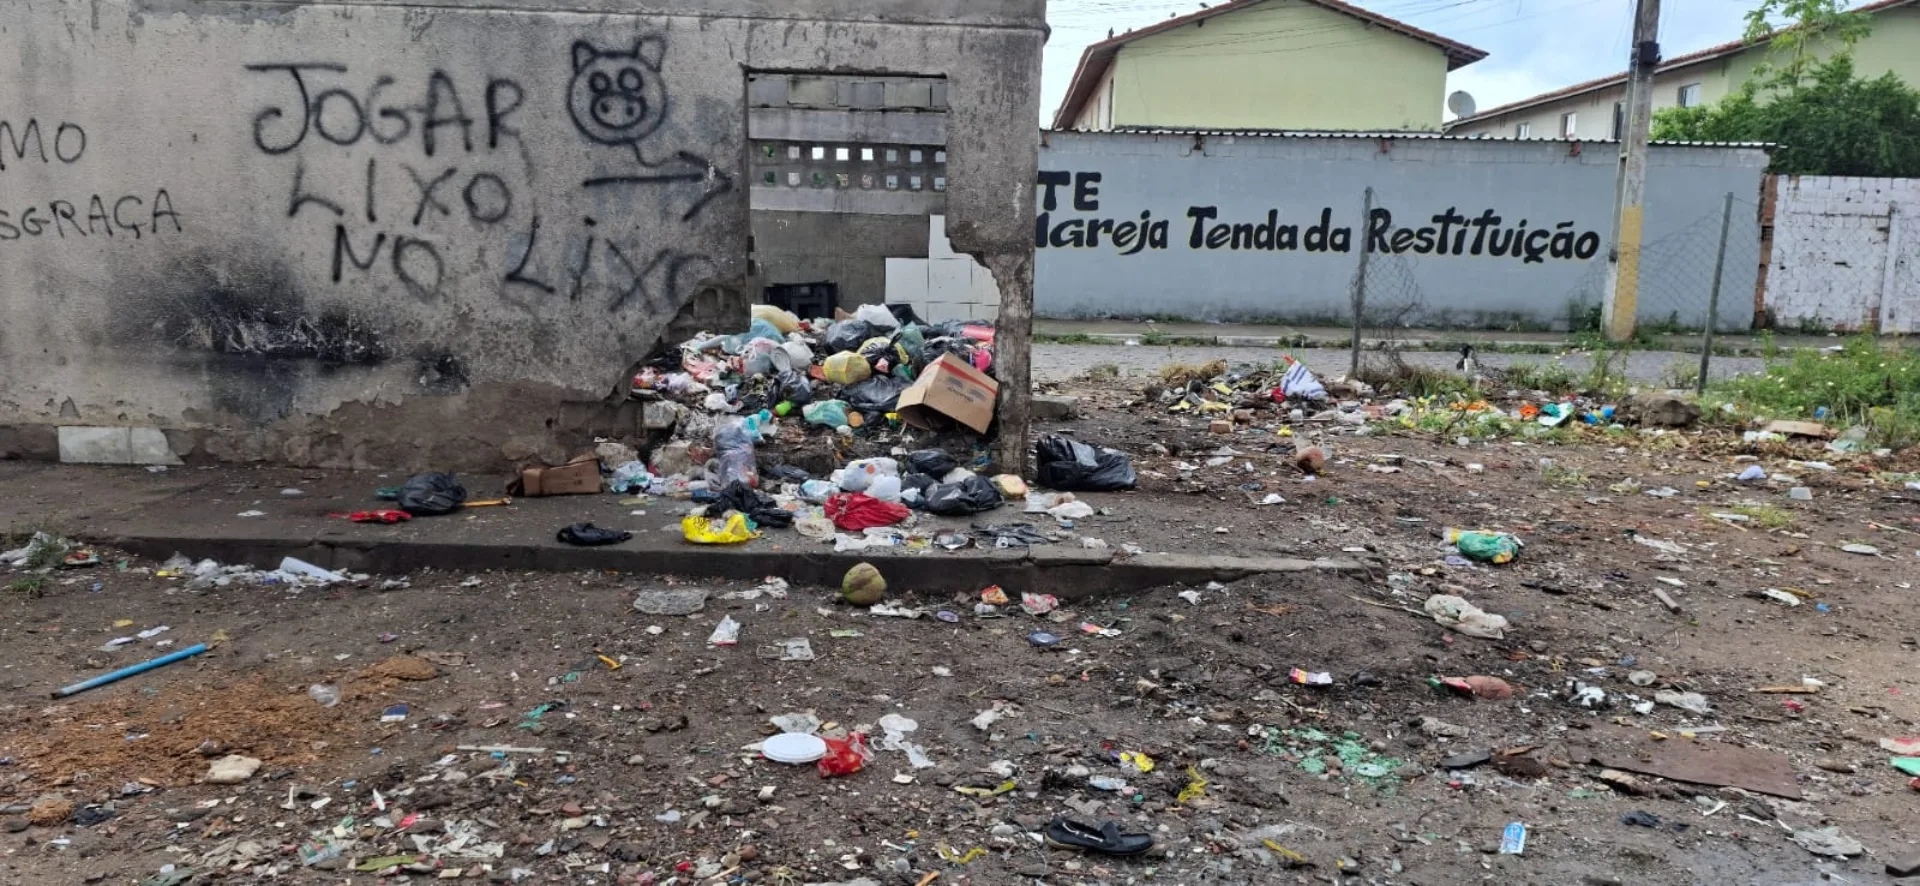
(1822, 118)
(1809, 22)
(1832, 123)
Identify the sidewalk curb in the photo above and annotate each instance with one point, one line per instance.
(1067, 573)
(1315, 343)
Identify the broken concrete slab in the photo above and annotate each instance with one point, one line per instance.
(1054, 407)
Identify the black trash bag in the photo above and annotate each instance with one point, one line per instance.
(919, 482)
(969, 496)
(431, 495)
(758, 506)
(874, 350)
(880, 393)
(949, 329)
(933, 462)
(1070, 465)
(847, 335)
(794, 387)
(904, 313)
(790, 474)
(588, 535)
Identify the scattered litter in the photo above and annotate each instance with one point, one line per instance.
(794, 747)
(1658, 544)
(1828, 842)
(1038, 604)
(1458, 614)
(676, 601)
(726, 633)
(1691, 702)
(1484, 546)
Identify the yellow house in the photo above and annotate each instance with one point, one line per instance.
(1266, 64)
(1595, 110)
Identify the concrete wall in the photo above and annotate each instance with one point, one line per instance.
(847, 249)
(1841, 253)
(437, 232)
(1284, 64)
(1314, 187)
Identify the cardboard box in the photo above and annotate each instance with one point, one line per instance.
(954, 389)
(578, 477)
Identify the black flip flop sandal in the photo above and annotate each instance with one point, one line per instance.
(1105, 839)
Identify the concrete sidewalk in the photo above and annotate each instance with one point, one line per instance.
(1280, 335)
(195, 511)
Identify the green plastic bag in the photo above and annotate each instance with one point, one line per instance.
(1485, 546)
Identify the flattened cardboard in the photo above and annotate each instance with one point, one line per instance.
(954, 389)
(578, 477)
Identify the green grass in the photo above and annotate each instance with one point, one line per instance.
(1763, 515)
(1551, 376)
(1864, 383)
(1560, 476)
(31, 585)
(1681, 374)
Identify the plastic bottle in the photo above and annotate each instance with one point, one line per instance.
(326, 694)
(733, 448)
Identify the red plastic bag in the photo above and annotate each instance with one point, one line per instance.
(380, 516)
(857, 512)
(845, 756)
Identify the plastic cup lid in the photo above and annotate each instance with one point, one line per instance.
(794, 747)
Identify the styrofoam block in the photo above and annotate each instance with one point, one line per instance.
(149, 446)
(984, 290)
(938, 246)
(96, 446)
(941, 312)
(906, 280)
(950, 279)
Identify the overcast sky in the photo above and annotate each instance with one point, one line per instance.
(1533, 45)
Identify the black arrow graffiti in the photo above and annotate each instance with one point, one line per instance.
(718, 182)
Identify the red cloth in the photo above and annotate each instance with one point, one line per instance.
(857, 512)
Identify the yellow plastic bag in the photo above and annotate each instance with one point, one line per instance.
(782, 320)
(731, 530)
(847, 368)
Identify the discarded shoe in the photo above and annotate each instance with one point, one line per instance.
(589, 535)
(1105, 839)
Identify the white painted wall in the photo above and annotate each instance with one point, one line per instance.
(1841, 253)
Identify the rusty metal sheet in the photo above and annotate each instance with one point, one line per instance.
(1708, 763)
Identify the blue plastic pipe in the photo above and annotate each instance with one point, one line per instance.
(130, 670)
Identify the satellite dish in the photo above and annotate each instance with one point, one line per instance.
(1460, 103)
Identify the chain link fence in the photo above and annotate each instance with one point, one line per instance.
(1687, 303)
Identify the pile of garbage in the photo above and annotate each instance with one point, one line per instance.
(840, 430)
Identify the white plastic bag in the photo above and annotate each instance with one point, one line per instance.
(877, 316)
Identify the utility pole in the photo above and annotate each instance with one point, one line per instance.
(1623, 268)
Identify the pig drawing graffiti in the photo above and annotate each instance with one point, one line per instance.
(618, 97)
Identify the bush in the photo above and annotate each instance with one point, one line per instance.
(1863, 383)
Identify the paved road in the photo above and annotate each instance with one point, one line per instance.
(1059, 362)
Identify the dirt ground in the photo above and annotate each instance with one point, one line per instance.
(648, 776)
